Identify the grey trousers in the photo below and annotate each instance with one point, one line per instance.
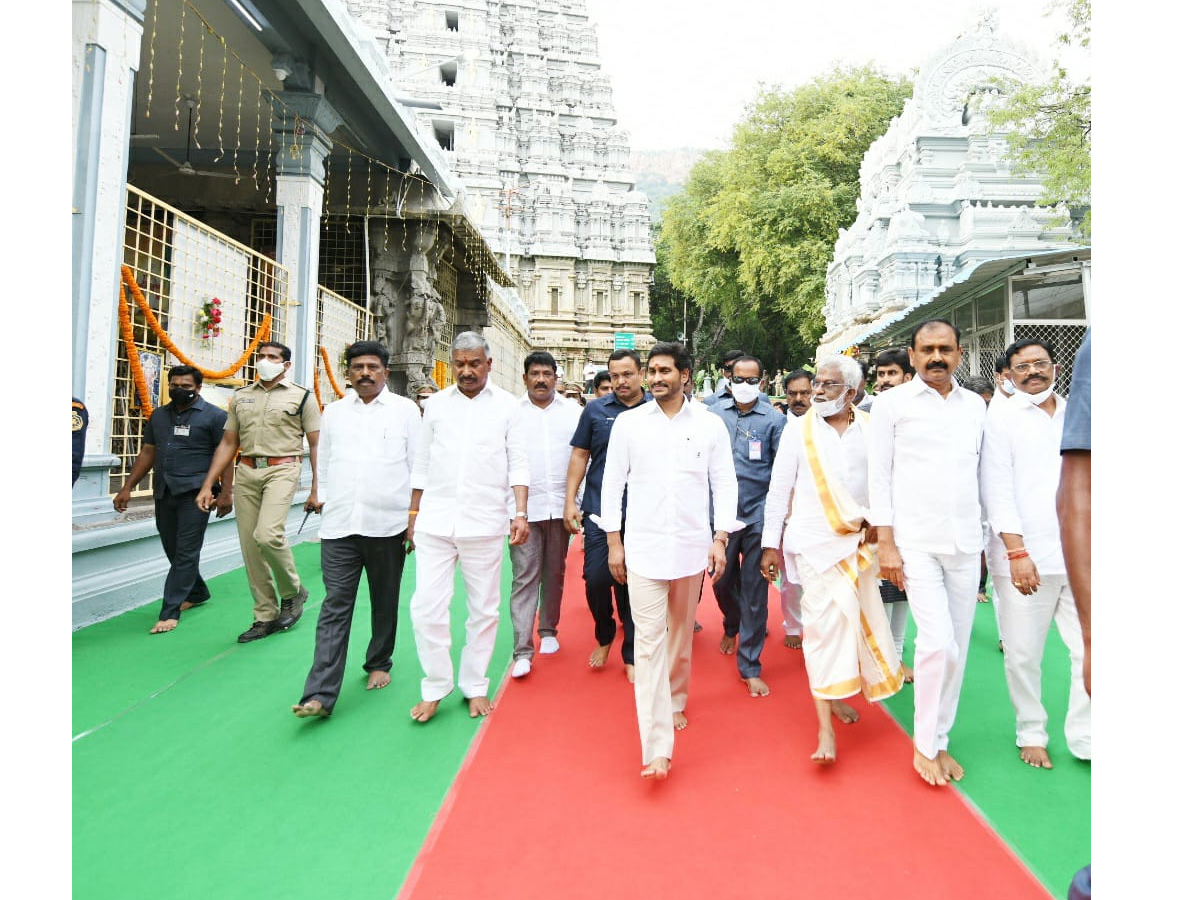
(342, 563)
(538, 568)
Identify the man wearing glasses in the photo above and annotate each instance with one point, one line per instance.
(754, 428)
(924, 501)
(1020, 475)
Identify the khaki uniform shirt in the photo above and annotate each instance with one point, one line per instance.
(270, 422)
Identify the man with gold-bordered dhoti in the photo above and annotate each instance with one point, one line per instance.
(828, 547)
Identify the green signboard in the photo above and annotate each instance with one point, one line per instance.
(623, 340)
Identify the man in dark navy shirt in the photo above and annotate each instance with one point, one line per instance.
(590, 444)
(179, 443)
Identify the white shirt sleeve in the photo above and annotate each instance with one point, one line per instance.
(996, 475)
(517, 452)
(616, 475)
(881, 450)
(722, 479)
(783, 480)
(420, 469)
(328, 438)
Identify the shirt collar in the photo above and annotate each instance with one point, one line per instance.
(486, 389)
(559, 399)
(385, 397)
(924, 386)
(613, 400)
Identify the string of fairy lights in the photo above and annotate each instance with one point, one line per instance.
(361, 170)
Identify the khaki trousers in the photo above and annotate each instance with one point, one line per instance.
(261, 500)
(664, 612)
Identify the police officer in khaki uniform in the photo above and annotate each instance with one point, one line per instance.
(269, 419)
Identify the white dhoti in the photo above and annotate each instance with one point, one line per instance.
(847, 637)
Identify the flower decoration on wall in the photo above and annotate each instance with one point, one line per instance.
(209, 319)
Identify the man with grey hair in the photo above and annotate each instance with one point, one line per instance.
(821, 474)
(460, 514)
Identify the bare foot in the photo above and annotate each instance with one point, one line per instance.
(758, 687)
(982, 597)
(1000, 644)
(845, 712)
(657, 769)
(629, 672)
(950, 767)
(310, 708)
(479, 706)
(164, 626)
(188, 604)
(1036, 757)
(727, 644)
(793, 641)
(826, 751)
(908, 673)
(928, 769)
(680, 721)
(378, 679)
(424, 711)
(599, 656)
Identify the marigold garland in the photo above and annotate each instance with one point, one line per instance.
(317, 392)
(152, 320)
(329, 372)
(135, 361)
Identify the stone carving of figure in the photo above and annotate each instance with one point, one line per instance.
(385, 303)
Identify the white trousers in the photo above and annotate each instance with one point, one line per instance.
(941, 589)
(436, 558)
(790, 594)
(897, 612)
(663, 615)
(1026, 622)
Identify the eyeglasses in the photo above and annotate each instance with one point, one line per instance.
(817, 385)
(1038, 365)
(742, 379)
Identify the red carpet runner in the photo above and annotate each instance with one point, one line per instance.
(549, 805)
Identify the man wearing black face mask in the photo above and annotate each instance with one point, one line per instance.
(179, 443)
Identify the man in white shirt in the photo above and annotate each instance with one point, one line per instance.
(797, 386)
(924, 493)
(471, 459)
(362, 495)
(674, 457)
(547, 422)
(819, 486)
(1020, 475)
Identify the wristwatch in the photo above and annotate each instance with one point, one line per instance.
(520, 515)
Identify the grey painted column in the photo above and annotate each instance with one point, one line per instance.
(300, 188)
(106, 46)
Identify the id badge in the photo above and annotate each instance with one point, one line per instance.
(756, 450)
(183, 430)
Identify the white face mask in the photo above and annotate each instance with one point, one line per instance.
(744, 393)
(268, 370)
(827, 408)
(1041, 396)
(1008, 387)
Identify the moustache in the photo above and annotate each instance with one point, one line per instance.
(936, 365)
(366, 380)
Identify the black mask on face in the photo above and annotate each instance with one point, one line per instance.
(182, 396)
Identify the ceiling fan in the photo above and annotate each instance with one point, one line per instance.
(186, 167)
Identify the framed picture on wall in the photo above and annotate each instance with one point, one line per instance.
(152, 368)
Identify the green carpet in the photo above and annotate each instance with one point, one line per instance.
(192, 779)
(1044, 815)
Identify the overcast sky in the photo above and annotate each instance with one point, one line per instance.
(684, 71)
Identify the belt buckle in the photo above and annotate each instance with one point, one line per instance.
(261, 462)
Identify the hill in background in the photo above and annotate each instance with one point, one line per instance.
(661, 173)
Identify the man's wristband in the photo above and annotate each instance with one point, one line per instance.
(723, 540)
(520, 515)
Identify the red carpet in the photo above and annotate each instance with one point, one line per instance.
(549, 804)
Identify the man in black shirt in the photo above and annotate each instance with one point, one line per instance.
(178, 443)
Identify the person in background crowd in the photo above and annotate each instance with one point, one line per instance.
(470, 459)
(79, 424)
(179, 443)
(721, 391)
(601, 384)
(269, 419)
(424, 392)
(368, 446)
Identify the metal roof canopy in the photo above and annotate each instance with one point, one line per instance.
(977, 278)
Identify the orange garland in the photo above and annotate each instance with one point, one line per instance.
(135, 361)
(329, 372)
(152, 320)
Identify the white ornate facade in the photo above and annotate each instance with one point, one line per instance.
(527, 122)
(938, 192)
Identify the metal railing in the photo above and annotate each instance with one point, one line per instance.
(209, 295)
(340, 322)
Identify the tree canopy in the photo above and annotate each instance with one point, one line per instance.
(751, 235)
(1049, 124)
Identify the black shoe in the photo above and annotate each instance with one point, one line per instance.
(291, 610)
(257, 631)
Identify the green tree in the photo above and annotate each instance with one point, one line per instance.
(751, 234)
(1049, 123)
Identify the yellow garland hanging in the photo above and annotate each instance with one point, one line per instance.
(135, 361)
(329, 372)
(152, 320)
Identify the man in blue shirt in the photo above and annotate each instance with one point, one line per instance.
(180, 440)
(754, 427)
(590, 444)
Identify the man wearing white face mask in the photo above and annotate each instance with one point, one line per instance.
(1020, 473)
(269, 419)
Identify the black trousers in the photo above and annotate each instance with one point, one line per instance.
(741, 594)
(601, 590)
(342, 563)
(181, 526)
